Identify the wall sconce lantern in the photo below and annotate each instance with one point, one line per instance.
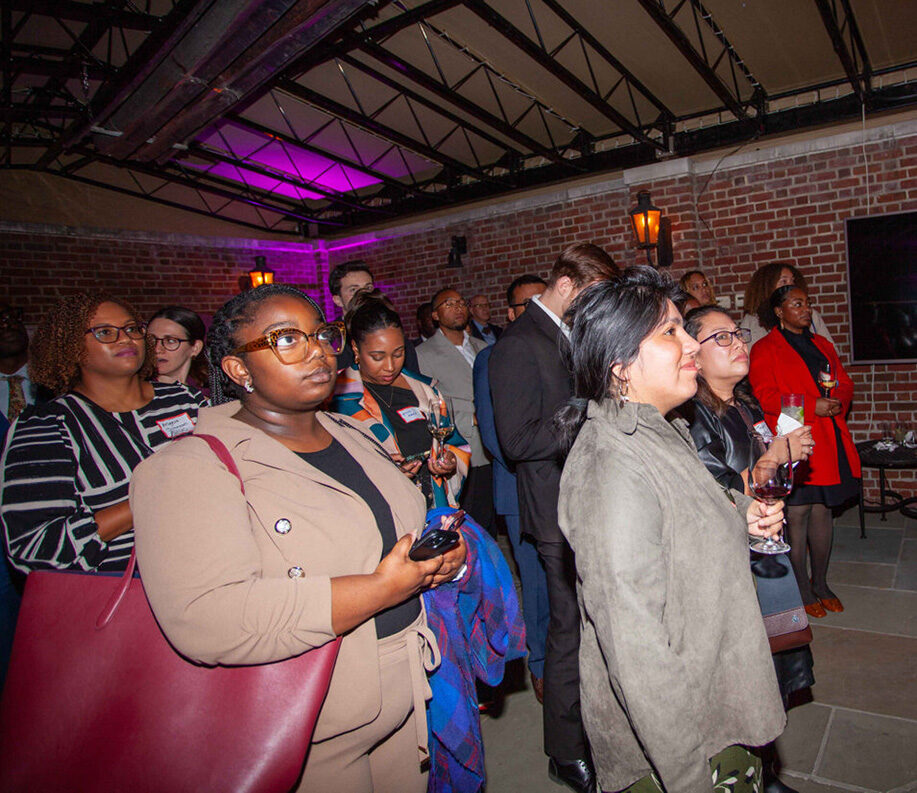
(261, 274)
(651, 230)
(644, 220)
(459, 246)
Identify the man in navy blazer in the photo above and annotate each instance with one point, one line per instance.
(535, 610)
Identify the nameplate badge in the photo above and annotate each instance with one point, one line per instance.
(410, 414)
(174, 426)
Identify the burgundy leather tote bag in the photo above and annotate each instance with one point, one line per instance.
(96, 699)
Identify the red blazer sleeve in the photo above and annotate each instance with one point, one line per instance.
(762, 376)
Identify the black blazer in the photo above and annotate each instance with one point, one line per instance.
(473, 330)
(529, 383)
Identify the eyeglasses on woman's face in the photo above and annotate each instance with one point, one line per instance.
(291, 345)
(109, 334)
(725, 338)
(170, 343)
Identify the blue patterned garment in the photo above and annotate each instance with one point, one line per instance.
(478, 625)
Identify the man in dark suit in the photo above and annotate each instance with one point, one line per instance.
(535, 611)
(480, 326)
(529, 383)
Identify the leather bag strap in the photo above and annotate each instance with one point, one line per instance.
(220, 450)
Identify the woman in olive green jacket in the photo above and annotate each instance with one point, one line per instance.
(675, 669)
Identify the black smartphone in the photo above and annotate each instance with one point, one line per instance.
(437, 541)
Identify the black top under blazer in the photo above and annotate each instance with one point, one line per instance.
(529, 383)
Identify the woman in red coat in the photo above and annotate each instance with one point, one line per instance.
(788, 361)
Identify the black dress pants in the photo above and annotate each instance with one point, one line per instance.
(478, 497)
(563, 725)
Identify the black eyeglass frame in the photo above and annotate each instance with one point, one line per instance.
(733, 334)
(139, 326)
(170, 343)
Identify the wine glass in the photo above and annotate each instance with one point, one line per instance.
(771, 479)
(826, 379)
(440, 424)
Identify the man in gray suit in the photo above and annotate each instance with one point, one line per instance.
(448, 356)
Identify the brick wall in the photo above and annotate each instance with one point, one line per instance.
(728, 224)
(36, 268)
(789, 207)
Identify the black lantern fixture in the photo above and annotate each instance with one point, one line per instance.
(261, 274)
(644, 220)
(459, 247)
(651, 229)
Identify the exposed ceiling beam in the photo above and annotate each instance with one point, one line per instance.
(295, 143)
(848, 58)
(220, 187)
(274, 45)
(25, 111)
(426, 82)
(600, 48)
(677, 36)
(90, 13)
(157, 200)
(206, 153)
(378, 129)
(422, 100)
(553, 67)
(62, 69)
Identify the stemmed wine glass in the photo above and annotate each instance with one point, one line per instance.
(771, 479)
(440, 424)
(826, 379)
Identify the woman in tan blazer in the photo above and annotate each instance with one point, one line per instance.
(295, 561)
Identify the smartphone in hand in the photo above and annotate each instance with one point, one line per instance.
(437, 541)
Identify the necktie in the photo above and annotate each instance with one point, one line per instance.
(17, 396)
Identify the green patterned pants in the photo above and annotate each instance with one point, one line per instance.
(734, 770)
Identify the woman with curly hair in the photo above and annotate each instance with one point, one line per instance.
(67, 464)
(766, 280)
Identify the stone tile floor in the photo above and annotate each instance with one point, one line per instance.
(858, 729)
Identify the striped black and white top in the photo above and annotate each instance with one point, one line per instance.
(69, 458)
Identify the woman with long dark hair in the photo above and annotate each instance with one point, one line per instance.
(724, 416)
(391, 401)
(789, 360)
(676, 676)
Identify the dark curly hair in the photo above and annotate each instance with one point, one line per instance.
(60, 341)
(764, 282)
(221, 338)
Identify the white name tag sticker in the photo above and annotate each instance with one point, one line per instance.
(410, 414)
(176, 425)
(763, 430)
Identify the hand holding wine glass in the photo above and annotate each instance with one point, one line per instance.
(826, 379)
(771, 479)
(441, 426)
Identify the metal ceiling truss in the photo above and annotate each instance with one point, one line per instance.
(840, 22)
(434, 146)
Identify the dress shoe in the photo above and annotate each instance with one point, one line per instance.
(538, 687)
(831, 604)
(576, 775)
(772, 783)
(815, 609)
